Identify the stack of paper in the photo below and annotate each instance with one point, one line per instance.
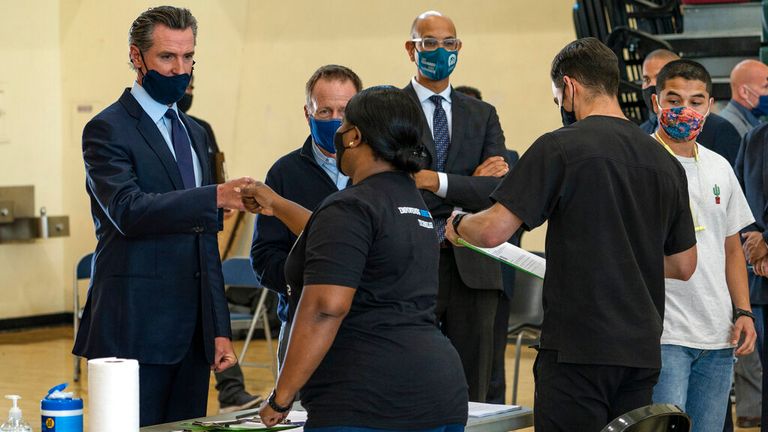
(477, 409)
(514, 256)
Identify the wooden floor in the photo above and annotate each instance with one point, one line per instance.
(33, 361)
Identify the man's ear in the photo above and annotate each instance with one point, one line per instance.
(410, 47)
(135, 57)
(655, 103)
(306, 113)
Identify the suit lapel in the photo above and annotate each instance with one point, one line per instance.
(458, 127)
(764, 175)
(148, 129)
(426, 135)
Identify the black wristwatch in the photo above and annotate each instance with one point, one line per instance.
(456, 221)
(741, 312)
(272, 404)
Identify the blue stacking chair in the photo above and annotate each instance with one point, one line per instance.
(238, 272)
(82, 272)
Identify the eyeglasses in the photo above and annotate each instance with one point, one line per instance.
(431, 44)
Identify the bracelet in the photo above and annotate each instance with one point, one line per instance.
(742, 312)
(456, 221)
(272, 404)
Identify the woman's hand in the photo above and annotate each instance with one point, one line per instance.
(269, 416)
(259, 198)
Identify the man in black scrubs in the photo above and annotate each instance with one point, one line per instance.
(619, 223)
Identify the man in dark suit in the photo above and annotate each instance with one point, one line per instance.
(752, 173)
(466, 143)
(718, 134)
(156, 291)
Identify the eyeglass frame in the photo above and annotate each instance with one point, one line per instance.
(440, 43)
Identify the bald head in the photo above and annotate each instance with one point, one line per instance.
(749, 81)
(428, 20)
(654, 62)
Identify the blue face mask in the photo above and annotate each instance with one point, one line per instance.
(165, 89)
(762, 106)
(323, 132)
(438, 64)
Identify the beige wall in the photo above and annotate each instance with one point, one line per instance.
(253, 58)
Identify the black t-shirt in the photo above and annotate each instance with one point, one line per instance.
(616, 202)
(389, 367)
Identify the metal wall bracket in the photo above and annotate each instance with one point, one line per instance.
(18, 221)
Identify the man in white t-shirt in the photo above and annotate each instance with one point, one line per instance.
(708, 315)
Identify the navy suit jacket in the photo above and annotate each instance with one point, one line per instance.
(752, 171)
(476, 136)
(156, 276)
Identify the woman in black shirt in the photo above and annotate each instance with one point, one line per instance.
(364, 349)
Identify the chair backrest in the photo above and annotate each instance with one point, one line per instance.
(651, 418)
(525, 308)
(83, 267)
(239, 273)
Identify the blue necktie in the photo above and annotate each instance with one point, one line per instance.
(183, 150)
(442, 142)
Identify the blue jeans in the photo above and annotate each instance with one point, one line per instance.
(698, 381)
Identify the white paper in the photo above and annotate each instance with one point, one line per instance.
(513, 256)
(113, 395)
(477, 409)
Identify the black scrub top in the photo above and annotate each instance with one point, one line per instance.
(389, 366)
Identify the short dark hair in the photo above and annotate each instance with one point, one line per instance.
(685, 69)
(391, 123)
(471, 91)
(332, 72)
(143, 27)
(589, 62)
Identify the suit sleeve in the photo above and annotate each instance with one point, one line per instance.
(472, 193)
(738, 169)
(270, 246)
(111, 177)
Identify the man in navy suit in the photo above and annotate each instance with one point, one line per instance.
(156, 291)
(752, 172)
(465, 141)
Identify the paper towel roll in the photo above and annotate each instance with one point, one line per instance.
(113, 395)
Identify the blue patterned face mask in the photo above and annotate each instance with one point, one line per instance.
(438, 64)
(323, 131)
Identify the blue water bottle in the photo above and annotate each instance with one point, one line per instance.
(60, 411)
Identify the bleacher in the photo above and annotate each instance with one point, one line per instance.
(716, 33)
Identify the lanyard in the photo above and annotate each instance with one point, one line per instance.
(695, 215)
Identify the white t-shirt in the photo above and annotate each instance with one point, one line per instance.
(698, 312)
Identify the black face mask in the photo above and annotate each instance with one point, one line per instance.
(647, 93)
(568, 118)
(185, 103)
(338, 142)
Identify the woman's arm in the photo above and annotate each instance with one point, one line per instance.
(318, 317)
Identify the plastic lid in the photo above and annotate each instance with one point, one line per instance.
(61, 404)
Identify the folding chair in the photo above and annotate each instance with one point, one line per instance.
(525, 316)
(238, 272)
(82, 271)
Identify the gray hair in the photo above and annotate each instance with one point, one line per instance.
(331, 72)
(143, 27)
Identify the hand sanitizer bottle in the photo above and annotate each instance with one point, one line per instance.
(15, 423)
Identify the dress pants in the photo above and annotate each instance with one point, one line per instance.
(585, 398)
(169, 393)
(497, 389)
(466, 317)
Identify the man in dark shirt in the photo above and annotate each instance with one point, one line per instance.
(718, 134)
(619, 223)
(306, 176)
